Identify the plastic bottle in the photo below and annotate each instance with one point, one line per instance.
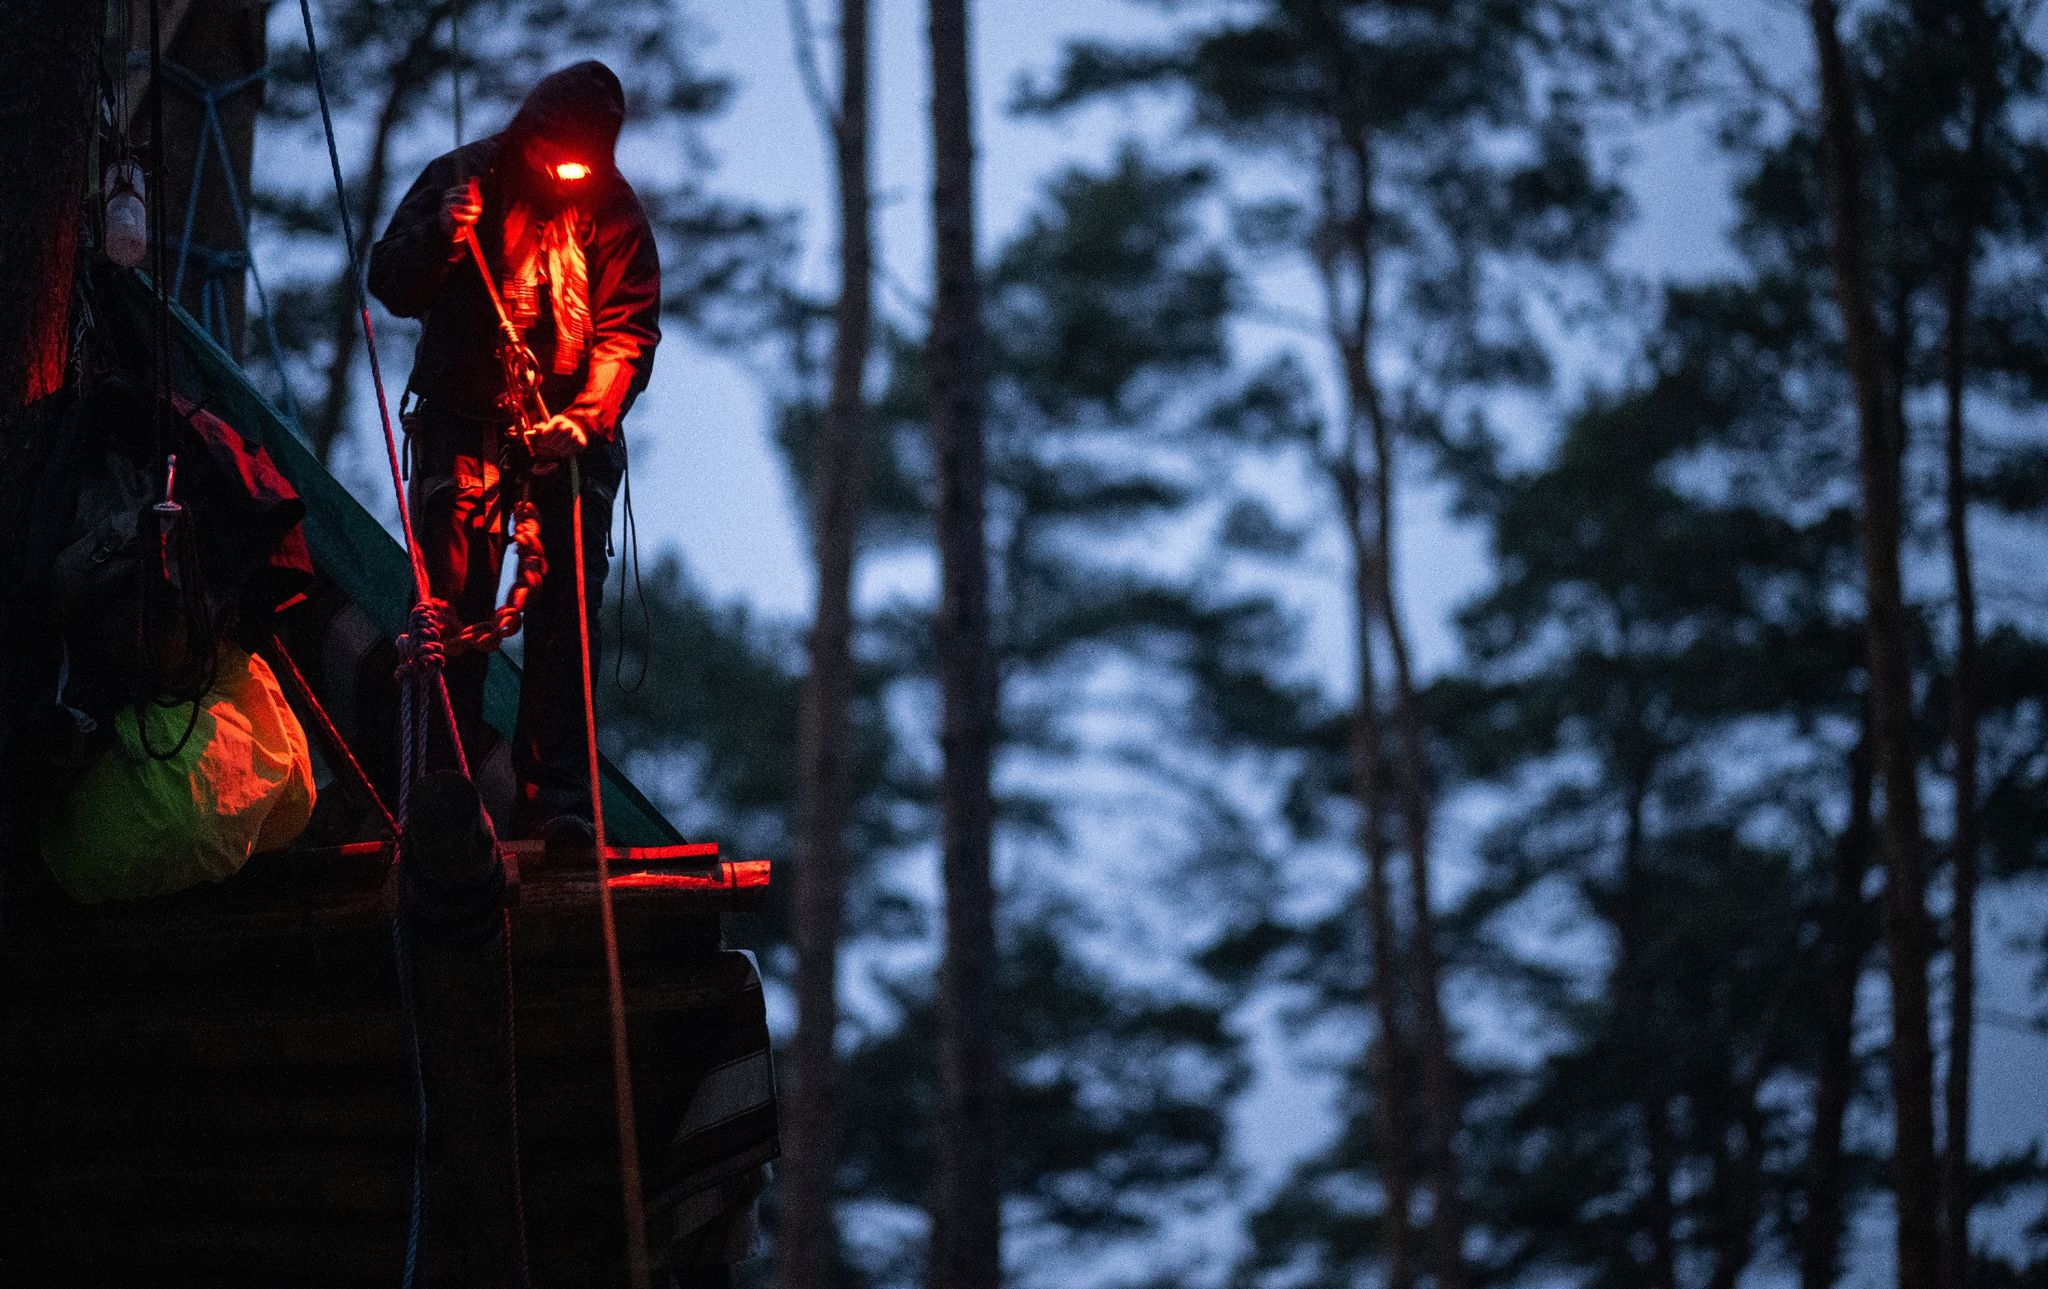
(127, 220)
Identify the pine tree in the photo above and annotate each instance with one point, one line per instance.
(1642, 634)
(1437, 165)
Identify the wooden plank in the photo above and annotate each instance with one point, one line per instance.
(353, 887)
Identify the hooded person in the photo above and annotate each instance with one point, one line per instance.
(575, 266)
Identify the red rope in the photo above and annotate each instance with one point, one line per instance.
(615, 991)
(333, 732)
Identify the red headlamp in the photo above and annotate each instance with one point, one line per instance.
(571, 170)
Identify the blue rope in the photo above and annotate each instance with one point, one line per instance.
(425, 690)
(416, 1209)
(212, 262)
(256, 278)
(413, 718)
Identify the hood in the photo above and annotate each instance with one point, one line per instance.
(581, 106)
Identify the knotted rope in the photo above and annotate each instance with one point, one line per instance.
(421, 657)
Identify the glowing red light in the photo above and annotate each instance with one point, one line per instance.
(572, 170)
(730, 875)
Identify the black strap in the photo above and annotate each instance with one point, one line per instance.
(630, 566)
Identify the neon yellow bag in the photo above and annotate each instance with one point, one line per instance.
(136, 826)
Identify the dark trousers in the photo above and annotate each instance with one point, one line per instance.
(462, 499)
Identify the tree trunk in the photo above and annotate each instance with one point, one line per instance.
(966, 1218)
(1389, 1054)
(1662, 1212)
(1389, 1050)
(1389, 1057)
(1433, 1042)
(808, 1251)
(1738, 1180)
(1820, 1238)
(1637, 1005)
(1964, 835)
(1880, 438)
(46, 77)
(1747, 1204)
(408, 77)
(1356, 229)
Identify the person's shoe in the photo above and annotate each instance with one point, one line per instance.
(567, 832)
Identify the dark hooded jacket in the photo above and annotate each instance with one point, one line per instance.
(419, 271)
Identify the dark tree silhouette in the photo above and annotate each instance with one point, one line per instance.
(1881, 435)
(808, 1248)
(966, 1251)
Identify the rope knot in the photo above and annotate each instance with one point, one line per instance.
(420, 651)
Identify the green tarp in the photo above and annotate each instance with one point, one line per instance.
(347, 543)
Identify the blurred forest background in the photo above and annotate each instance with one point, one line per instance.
(1510, 539)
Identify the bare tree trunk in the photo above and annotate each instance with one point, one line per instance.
(1356, 229)
(1880, 438)
(1820, 1238)
(1739, 1181)
(1965, 831)
(408, 77)
(1663, 1213)
(1964, 842)
(46, 77)
(1389, 1054)
(1637, 1004)
(1440, 1101)
(1390, 1048)
(966, 1220)
(1956, 1183)
(808, 1253)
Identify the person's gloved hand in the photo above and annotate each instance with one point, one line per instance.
(558, 437)
(461, 206)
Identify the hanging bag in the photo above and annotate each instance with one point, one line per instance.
(136, 825)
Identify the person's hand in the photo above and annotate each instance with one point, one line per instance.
(461, 206)
(557, 437)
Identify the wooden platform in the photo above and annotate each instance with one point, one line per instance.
(214, 1088)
